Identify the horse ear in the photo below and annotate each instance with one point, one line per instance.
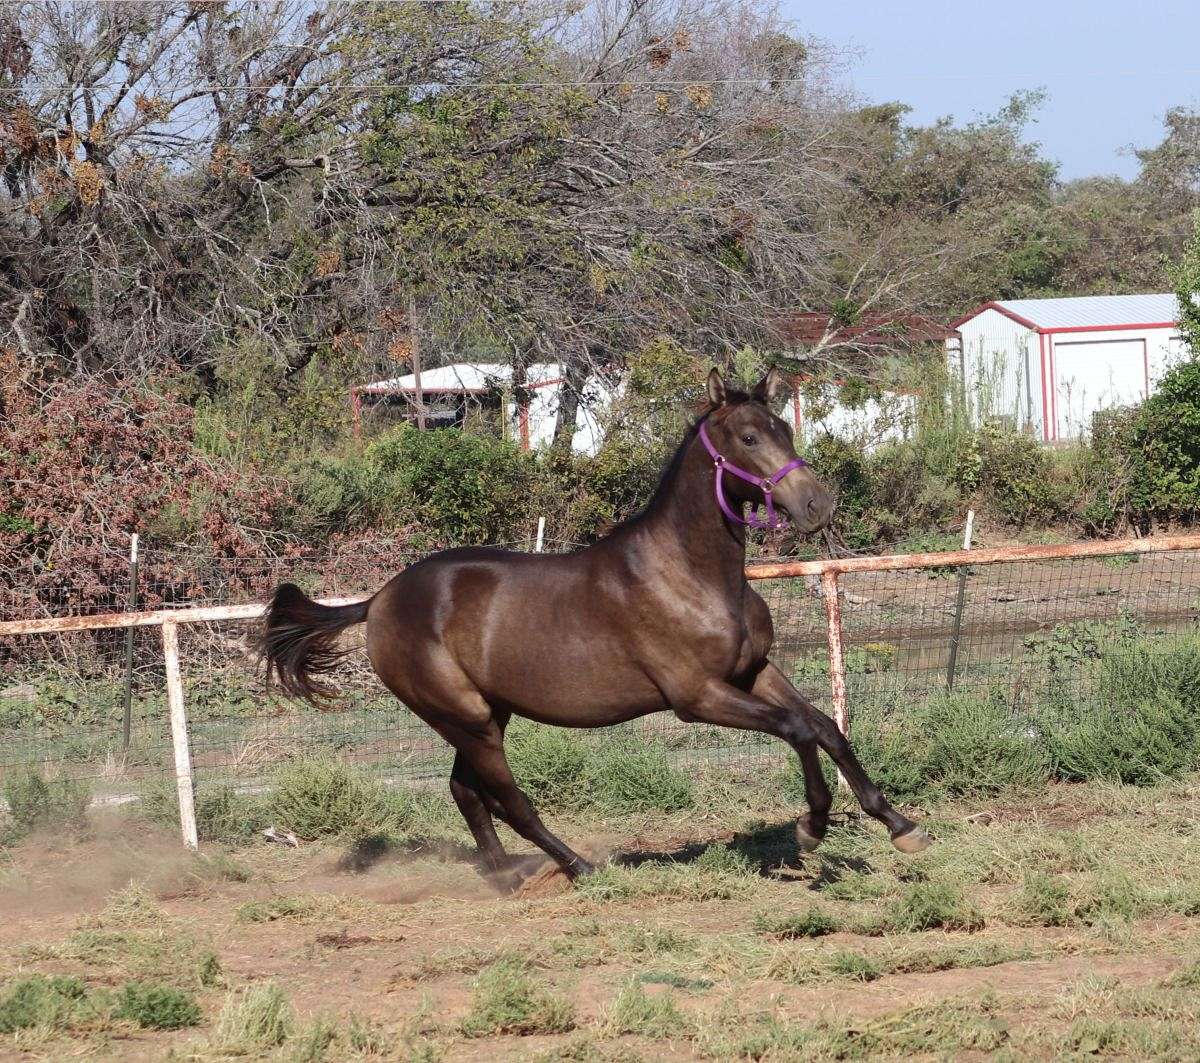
(716, 388)
(770, 387)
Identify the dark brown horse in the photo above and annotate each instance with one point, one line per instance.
(656, 617)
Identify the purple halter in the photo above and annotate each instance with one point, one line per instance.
(766, 484)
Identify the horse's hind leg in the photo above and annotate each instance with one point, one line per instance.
(472, 802)
(483, 748)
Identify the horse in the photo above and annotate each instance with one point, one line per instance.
(656, 617)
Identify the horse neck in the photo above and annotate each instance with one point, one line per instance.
(684, 517)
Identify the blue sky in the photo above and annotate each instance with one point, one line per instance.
(1111, 67)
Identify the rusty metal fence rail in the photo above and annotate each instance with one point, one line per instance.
(864, 635)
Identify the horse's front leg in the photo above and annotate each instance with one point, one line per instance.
(774, 707)
(773, 686)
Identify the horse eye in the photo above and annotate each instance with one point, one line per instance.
(749, 440)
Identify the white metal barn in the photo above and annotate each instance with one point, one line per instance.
(1049, 364)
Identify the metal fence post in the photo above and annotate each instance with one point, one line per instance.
(179, 735)
(127, 720)
(837, 659)
(960, 605)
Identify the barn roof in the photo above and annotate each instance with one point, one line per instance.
(1086, 311)
(874, 330)
(467, 377)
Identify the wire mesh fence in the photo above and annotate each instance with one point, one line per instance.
(1029, 633)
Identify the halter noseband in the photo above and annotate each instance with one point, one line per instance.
(766, 484)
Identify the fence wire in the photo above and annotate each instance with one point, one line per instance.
(1030, 633)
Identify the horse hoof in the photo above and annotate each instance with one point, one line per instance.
(913, 840)
(805, 839)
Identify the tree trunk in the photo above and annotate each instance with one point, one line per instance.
(575, 377)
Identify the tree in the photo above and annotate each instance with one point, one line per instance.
(1185, 279)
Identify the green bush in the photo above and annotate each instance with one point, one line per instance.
(1165, 478)
(451, 486)
(608, 772)
(222, 814)
(1138, 721)
(35, 802)
(157, 1007)
(1015, 476)
(52, 1003)
(322, 797)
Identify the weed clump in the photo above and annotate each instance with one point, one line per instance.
(1044, 900)
(222, 814)
(507, 999)
(157, 1007)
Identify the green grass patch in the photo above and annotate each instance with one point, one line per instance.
(38, 802)
(302, 908)
(653, 1015)
(689, 882)
(933, 905)
(812, 923)
(1043, 900)
(506, 998)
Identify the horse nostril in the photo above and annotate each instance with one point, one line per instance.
(814, 507)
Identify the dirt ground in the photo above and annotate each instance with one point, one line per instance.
(1063, 928)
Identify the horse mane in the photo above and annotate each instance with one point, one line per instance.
(670, 470)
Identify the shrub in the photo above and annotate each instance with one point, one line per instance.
(158, 1007)
(222, 814)
(843, 467)
(322, 797)
(563, 769)
(452, 486)
(506, 999)
(1139, 723)
(975, 745)
(1165, 439)
(53, 1003)
(35, 802)
(1015, 475)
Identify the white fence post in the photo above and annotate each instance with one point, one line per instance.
(179, 735)
(837, 659)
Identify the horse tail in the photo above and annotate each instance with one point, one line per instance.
(298, 641)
